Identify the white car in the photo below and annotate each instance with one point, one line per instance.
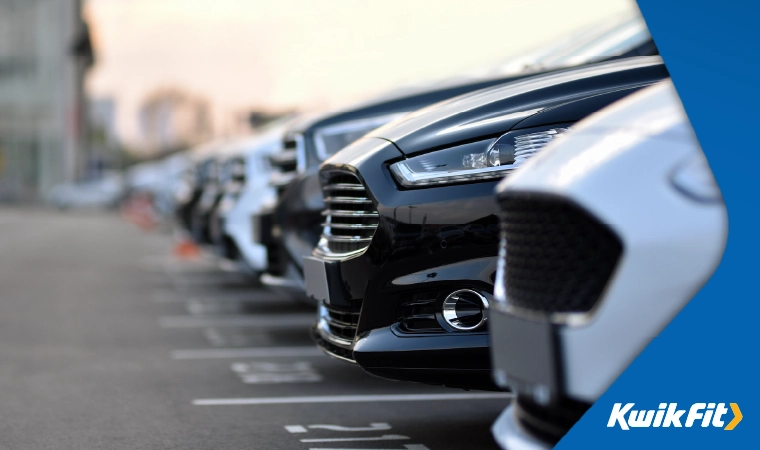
(173, 168)
(159, 179)
(105, 192)
(606, 235)
(244, 196)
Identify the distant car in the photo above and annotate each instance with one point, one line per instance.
(405, 265)
(245, 192)
(211, 193)
(158, 180)
(188, 191)
(173, 168)
(605, 237)
(202, 189)
(105, 192)
(295, 220)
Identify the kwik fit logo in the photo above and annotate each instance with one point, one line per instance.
(668, 415)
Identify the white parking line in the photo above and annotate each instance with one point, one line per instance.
(252, 296)
(406, 447)
(263, 352)
(276, 373)
(282, 321)
(385, 437)
(349, 399)
(375, 426)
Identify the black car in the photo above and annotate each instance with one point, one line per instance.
(190, 191)
(292, 227)
(210, 193)
(231, 182)
(405, 265)
(224, 174)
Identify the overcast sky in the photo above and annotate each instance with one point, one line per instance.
(242, 54)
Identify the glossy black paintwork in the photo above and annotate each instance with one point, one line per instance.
(381, 352)
(406, 101)
(203, 213)
(298, 217)
(490, 112)
(299, 207)
(413, 225)
(427, 230)
(454, 121)
(202, 171)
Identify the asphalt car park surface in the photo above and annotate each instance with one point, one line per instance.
(107, 341)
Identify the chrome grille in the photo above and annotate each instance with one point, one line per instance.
(342, 322)
(287, 163)
(336, 329)
(350, 216)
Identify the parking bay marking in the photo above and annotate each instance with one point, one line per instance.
(406, 447)
(348, 399)
(375, 426)
(385, 437)
(275, 373)
(243, 337)
(282, 321)
(252, 352)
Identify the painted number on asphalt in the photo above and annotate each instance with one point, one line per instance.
(375, 426)
(378, 426)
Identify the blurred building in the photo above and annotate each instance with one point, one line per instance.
(171, 119)
(44, 53)
(104, 148)
(102, 113)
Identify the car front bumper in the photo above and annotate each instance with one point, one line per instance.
(451, 359)
(382, 307)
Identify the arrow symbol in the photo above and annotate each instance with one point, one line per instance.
(737, 417)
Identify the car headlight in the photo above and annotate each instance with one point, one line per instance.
(694, 178)
(330, 139)
(482, 160)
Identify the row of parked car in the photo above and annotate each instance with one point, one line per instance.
(531, 229)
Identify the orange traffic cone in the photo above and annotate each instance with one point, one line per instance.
(186, 249)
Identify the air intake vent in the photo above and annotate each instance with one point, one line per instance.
(558, 257)
(350, 218)
(418, 315)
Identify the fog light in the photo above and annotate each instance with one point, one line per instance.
(465, 309)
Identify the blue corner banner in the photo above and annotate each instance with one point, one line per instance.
(709, 353)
